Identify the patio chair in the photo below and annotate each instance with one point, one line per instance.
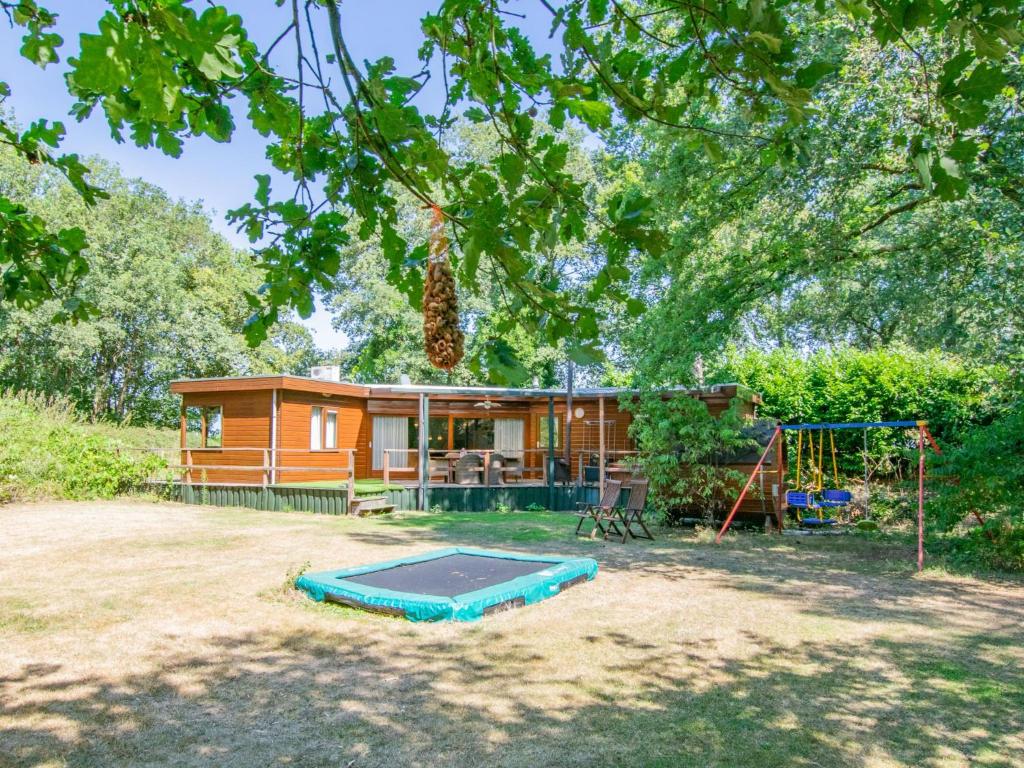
(630, 515)
(495, 466)
(513, 469)
(593, 512)
(439, 469)
(468, 469)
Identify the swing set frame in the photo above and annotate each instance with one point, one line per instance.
(924, 437)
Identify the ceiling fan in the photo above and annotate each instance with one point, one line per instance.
(486, 404)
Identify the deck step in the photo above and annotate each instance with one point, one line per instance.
(371, 505)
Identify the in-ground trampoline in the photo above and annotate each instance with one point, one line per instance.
(454, 584)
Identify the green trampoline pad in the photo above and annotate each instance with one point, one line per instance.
(454, 584)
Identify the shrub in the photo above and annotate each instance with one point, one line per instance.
(93, 467)
(998, 545)
(984, 473)
(682, 450)
(48, 453)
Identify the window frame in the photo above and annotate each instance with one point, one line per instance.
(540, 430)
(316, 415)
(330, 438)
(204, 426)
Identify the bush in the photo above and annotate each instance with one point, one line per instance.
(682, 450)
(951, 394)
(48, 453)
(984, 473)
(998, 545)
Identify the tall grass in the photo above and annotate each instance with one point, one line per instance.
(47, 451)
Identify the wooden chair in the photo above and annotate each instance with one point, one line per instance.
(439, 469)
(495, 468)
(630, 515)
(513, 469)
(469, 469)
(594, 512)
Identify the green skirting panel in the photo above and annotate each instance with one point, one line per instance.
(330, 501)
(325, 501)
(546, 577)
(477, 498)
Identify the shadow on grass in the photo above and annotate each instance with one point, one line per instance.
(480, 697)
(854, 578)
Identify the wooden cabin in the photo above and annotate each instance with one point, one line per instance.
(280, 430)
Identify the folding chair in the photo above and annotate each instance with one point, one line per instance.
(630, 515)
(593, 512)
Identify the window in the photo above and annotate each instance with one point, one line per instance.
(391, 433)
(331, 430)
(203, 426)
(542, 431)
(473, 434)
(316, 428)
(437, 440)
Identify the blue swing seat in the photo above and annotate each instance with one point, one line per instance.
(801, 499)
(834, 498)
(814, 521)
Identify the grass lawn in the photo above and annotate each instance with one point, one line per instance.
(135, 633)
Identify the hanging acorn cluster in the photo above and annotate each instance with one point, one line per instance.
(442, 337)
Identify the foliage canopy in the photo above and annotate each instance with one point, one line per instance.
(346, 134)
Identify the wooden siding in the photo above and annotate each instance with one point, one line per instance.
(294, 437)
(245, 423)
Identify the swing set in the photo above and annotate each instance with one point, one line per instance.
(809, 494)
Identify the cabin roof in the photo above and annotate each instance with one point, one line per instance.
(309, 384)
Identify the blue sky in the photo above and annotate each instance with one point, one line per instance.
(221, 175)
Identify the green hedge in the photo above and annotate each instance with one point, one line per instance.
(953, 395)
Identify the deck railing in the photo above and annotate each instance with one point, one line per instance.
(532, 464)
(264, 462)
(194, 465)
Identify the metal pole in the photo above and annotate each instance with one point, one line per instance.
(600, 446)
(568, 413)
(867, 488)
(424, 457)
(551, 452)
(920, 499)
(743, 493)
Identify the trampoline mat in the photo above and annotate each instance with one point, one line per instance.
(450, 575)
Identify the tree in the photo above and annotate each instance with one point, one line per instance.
(383, 324)
(344, 133)
(845, 245)
(167, 299)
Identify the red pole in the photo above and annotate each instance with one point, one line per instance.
(736, 506)
(928, 434)
(920, 498)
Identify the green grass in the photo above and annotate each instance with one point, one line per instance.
(487, 528)
(762, 651)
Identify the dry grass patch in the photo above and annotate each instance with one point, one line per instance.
(152, 634)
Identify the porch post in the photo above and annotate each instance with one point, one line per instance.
(182, 456)
(551, 451)
(273, 436)
(600, 445)
(424, 456)
(568, 413)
